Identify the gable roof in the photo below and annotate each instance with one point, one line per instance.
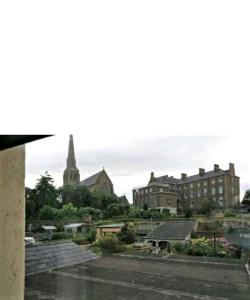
(91, 180)
(172, 231)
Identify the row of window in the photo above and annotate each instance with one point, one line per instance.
(205, 192)
(204, 183)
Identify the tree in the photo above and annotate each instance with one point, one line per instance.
(135, 213)
(127, 233)
(246, 198)
(68, 212)
(145, 206)
(30, 204)
(47, 213)
(188, 213)
(101, 200)
(78, 195)
(44, 193)
(206, 208)
(114, 210)
(95, 213)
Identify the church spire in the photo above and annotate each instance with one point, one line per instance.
(71, 174)
(71, 160)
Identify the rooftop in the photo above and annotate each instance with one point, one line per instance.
(110, 225)
(141, 277)
(91, 180)
(172, 231)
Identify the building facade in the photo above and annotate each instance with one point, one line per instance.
(220, 188)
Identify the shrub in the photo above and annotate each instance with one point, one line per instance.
(90, 234)
(47, 213)
(127, 233)
(188, 213)
(61, 236)
(110, 244)
(229, 214)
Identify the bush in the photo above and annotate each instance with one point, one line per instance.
(110, 244)
(188, 213)
(204, 247)
(47, 213)
(127, 233)
(62, 236)
(229, 214)
(90, 234)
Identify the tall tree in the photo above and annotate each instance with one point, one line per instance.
(78, 195)
(44, 193)
(246, 198)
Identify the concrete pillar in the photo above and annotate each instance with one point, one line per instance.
(12, 223)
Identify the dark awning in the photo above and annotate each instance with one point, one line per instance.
(9, 141)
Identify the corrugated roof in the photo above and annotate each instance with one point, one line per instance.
(172, 231)
(91, 180)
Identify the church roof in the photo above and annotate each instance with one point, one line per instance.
(91, 180)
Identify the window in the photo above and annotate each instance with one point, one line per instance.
(161, 190)
(198, 184)
(220, 180)
(150, 190)
(213, 181)
(205, 191)
(205, 183)
(191, 185)
(213, 190)
(221, 201)
(199, 194)
(220, 189)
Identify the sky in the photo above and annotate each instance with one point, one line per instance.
(143, 86)
(129, 163)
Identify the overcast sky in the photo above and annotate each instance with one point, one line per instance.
(129, 163)
(143, 86)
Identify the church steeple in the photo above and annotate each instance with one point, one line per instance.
(71, 174)
(71, 160)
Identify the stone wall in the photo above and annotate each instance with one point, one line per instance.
(12, 210)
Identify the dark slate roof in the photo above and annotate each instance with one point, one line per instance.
(172, 231)
(91, 180)
(207, 175)
(47, 256)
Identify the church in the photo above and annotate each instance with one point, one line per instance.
(98, 182)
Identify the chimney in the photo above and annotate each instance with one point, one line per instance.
(231, 169)
(152, 177)
(216, 168)
(183, 176)
(201, 171)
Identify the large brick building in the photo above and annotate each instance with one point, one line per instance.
(219, 187)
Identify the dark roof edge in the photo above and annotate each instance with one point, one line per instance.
(9, 141)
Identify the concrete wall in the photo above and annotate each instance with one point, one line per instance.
(12, 219)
